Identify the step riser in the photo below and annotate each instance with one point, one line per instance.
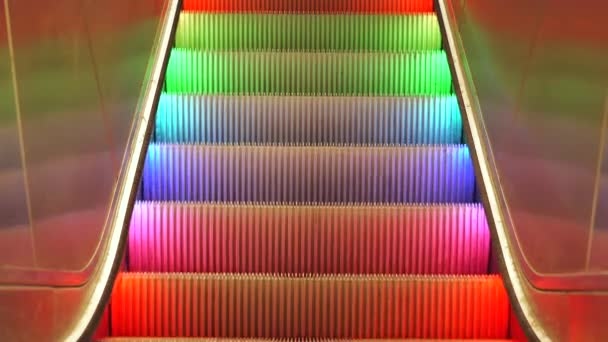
(339, 307)
(308, 120)
(313, 6)
(167, 237)
(332, 73)
(308, 32)
(441, 174)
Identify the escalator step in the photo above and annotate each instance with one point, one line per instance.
(354, 239)
(312, 73)
(219, 119)
(337, 32)
(310, 174)
(270, 306)
(215, 339)
(315, 6)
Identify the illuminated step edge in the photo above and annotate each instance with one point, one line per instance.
(341, 32)
(312, 73)
(273, 306)
(220, 119)
(348, 239)
(314, 6)
(216, 339)
(313, 174)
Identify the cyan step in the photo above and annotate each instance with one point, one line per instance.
(225, 119)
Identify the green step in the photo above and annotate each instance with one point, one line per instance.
(320, 73)
(337, 32)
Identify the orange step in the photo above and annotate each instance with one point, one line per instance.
(316, 306)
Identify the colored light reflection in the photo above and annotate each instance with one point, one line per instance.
(383, 80)
(314, 6)
(337, 32)
(205, 305)
(204, 72)
(341, 120)
(315, 174)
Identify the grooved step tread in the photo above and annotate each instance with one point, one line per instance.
(311, 32)
(293, 135)
(313, 174)
(224, 119)
(208, 339)
(347, 239)
(314, 6)
(330, 306)
(310, 73)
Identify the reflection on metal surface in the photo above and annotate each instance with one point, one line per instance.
(128, 187)
(79, 70)
(11, 51)
(16, 247)
(59, 94)
(600, 190)
(517, 131)
(599, 253)
(483, 158)
(541, 87)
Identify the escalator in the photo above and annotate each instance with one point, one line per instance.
(308, 179)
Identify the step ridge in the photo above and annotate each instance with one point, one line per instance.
(312, 276)
(273, 72)
(324, 306)
(436, 174)
(313, 6)
(168, 237)
(313, 146)
(222, 119)
(308, 32)
(298, 339)
(330, 205)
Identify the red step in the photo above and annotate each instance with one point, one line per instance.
(320, 306)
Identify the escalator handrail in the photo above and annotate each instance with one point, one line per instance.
(103, 277)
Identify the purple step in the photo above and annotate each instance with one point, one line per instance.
(309, 174)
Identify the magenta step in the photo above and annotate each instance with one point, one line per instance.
(356, 239)
(216, 339)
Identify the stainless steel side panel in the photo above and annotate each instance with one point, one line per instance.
(533, 80)
(82, 79)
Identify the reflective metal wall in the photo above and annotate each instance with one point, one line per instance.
(15, 244)
(76, 90)
(71, 72)
(598, 257)
(540, 69)
(533, 75)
